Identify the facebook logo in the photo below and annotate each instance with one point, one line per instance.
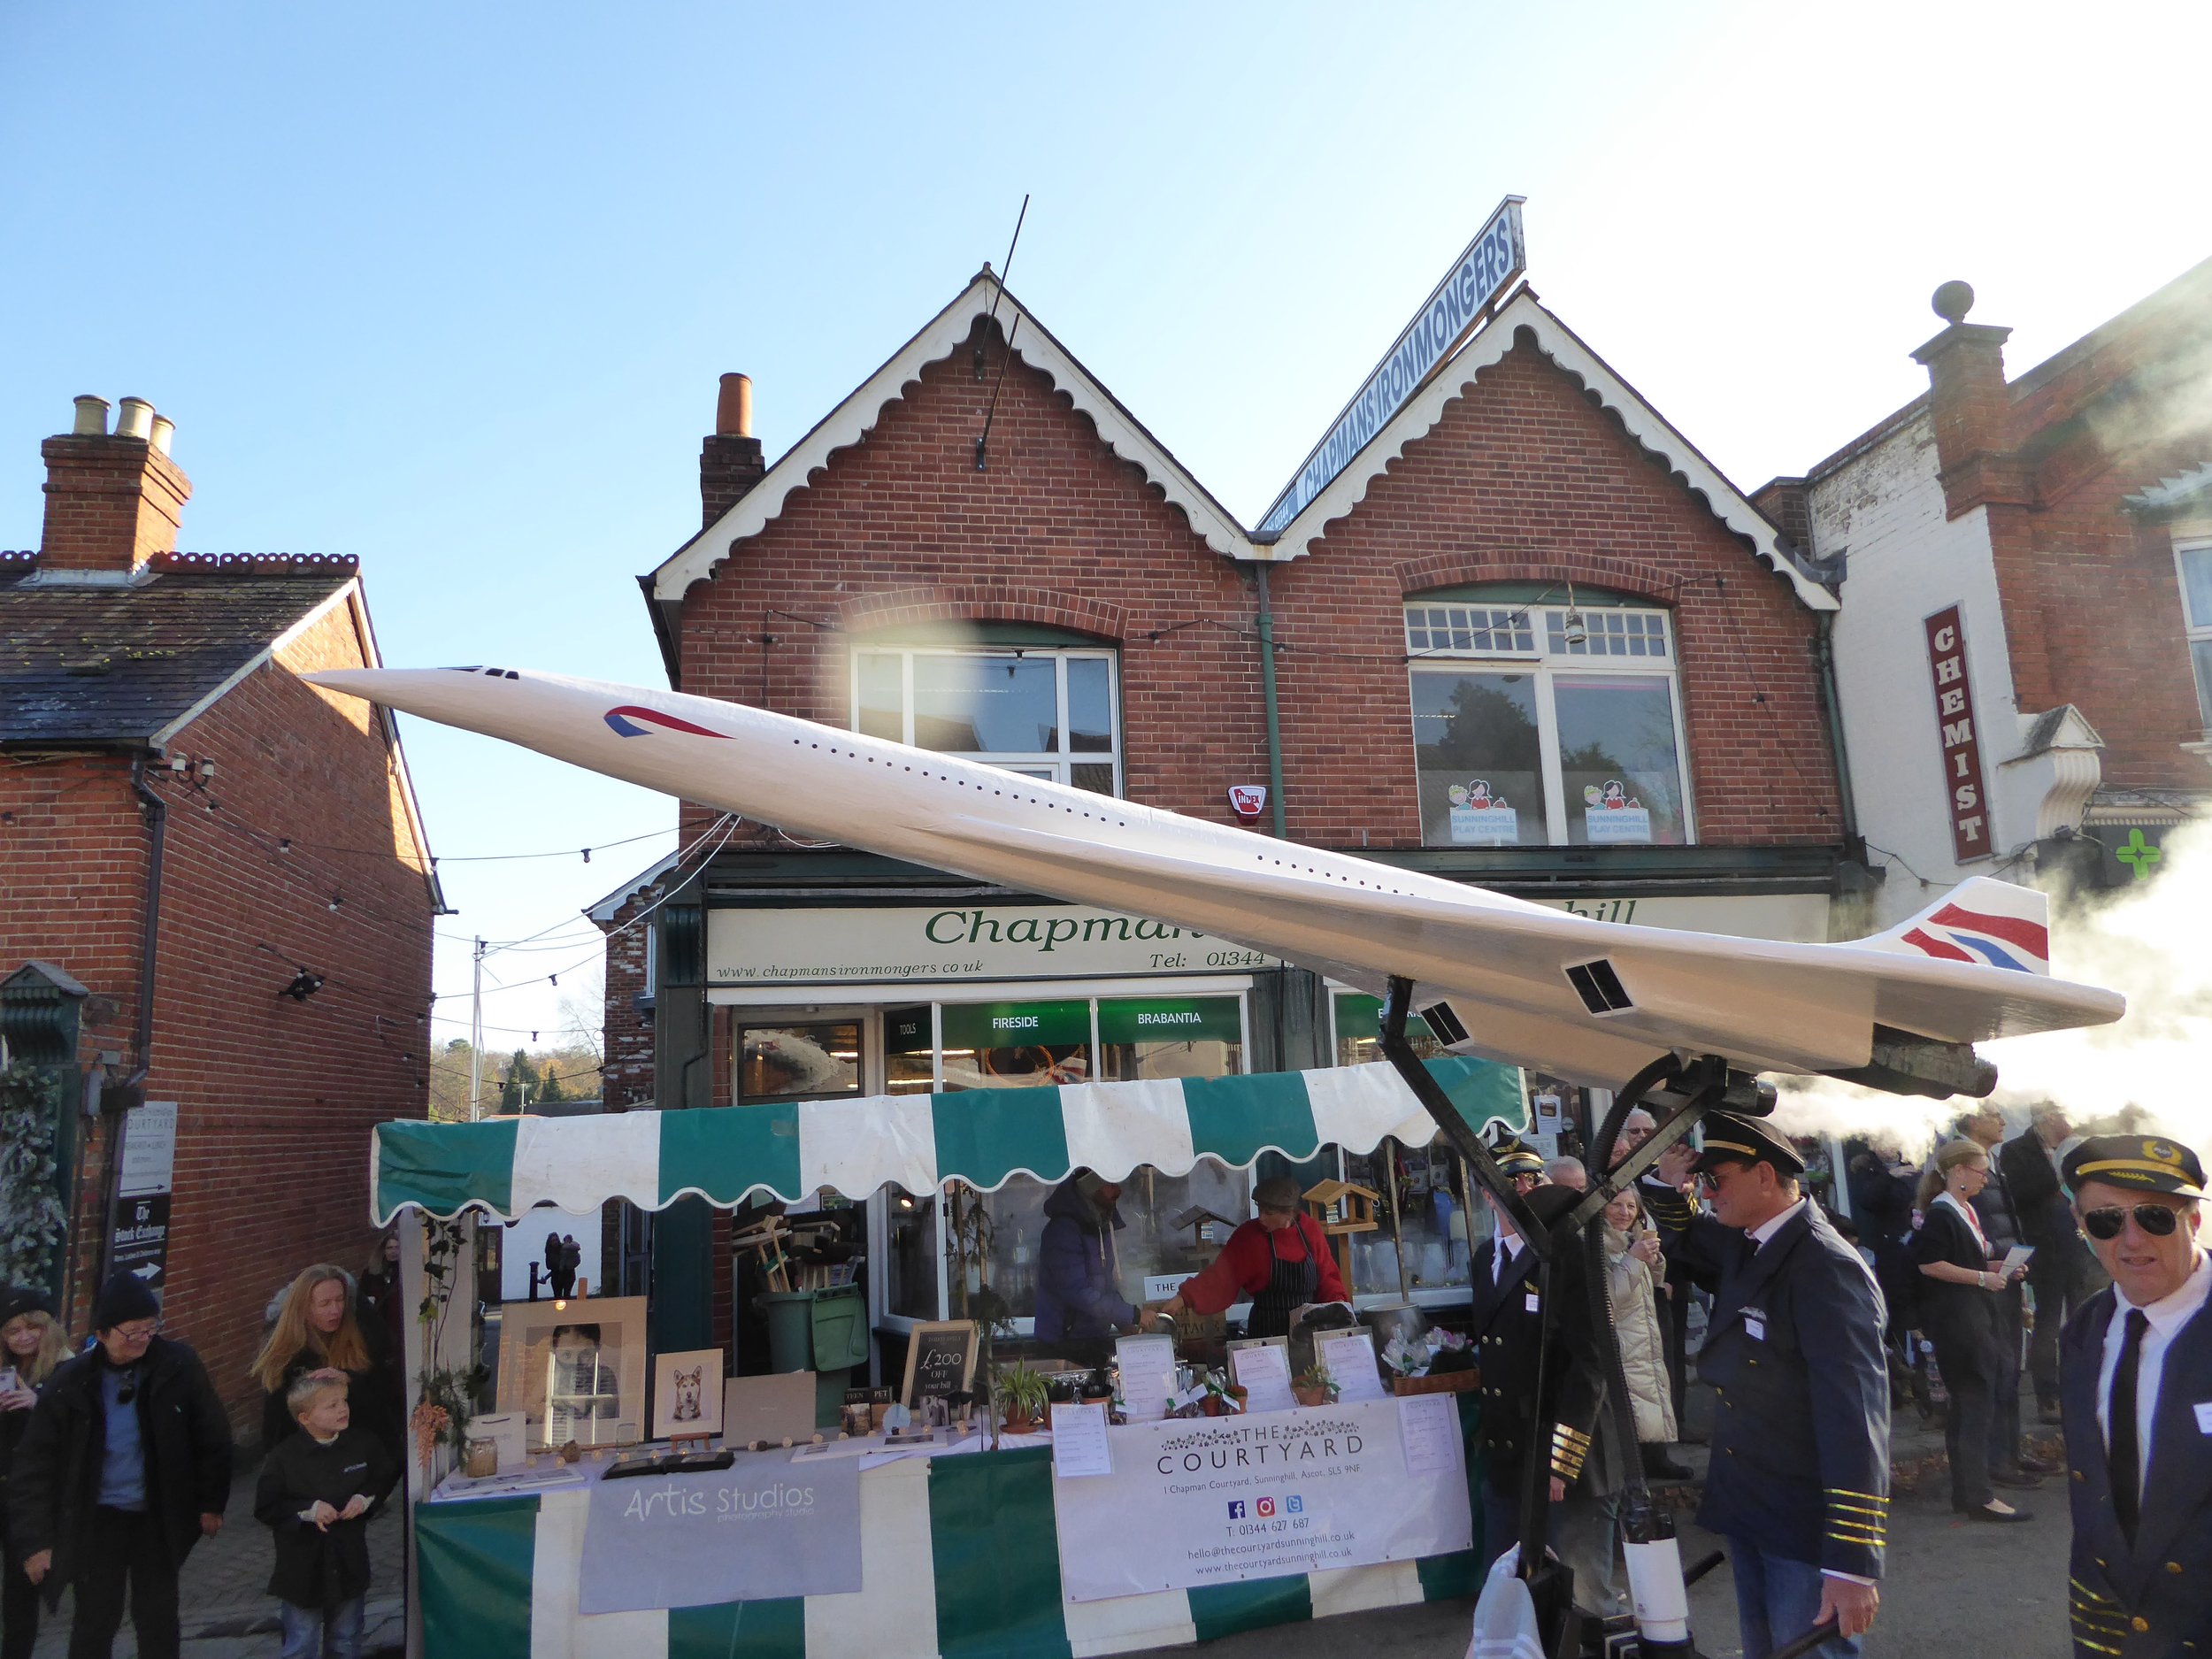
(1295, 1504)
(1236, 1509)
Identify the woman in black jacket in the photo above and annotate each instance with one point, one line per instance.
(31, 1348)
(1958, 1302)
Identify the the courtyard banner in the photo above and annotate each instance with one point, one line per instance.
(1209, 1500)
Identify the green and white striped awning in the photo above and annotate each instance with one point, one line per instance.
(507, 1166)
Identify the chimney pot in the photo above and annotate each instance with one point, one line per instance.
(92, 418)
(163, 430)
(734, 409)
(134, 418)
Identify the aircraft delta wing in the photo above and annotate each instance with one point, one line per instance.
(1589, 1001)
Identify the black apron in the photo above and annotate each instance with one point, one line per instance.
(1290, 1285)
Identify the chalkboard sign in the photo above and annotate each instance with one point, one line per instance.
(940, 1361)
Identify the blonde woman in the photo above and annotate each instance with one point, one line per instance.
(318, 1332)
(31, 1346)
(1631, 1250)
(1960, 1284)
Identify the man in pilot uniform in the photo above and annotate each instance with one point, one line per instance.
(1799, 1481)
(1508, 1311)
(2135, 1386)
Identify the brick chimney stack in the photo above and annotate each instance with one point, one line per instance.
(730, 461)
(1973, 408)
(113, 500)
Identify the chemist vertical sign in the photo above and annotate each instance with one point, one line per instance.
(138, 1242)
(1962, 745)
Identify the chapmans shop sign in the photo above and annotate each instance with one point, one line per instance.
(956, 943)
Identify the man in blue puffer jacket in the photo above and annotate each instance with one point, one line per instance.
(1079, 1281)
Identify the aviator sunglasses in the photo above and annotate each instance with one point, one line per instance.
(2158, 1220)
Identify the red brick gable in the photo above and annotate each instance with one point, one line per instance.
(1527, 479)
(900, 527)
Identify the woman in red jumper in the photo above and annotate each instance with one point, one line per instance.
(1281, 1261)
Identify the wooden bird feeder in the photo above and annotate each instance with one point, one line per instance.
(1342, 1208)
(1198, 1218)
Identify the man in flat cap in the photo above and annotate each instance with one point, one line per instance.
(1561, 1428)
(2135, 1386)
(1798, 1482)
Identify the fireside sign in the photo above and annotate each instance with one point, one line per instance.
(1214, 1501)
(1961, 744)
(1492, 261)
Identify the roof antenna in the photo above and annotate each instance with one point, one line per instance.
(991, 413)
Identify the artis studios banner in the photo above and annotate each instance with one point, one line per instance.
(1220, 1499)
(761, 1528)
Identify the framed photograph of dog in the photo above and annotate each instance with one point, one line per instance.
(687, 1394)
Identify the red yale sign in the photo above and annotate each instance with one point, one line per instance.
(1961, 743)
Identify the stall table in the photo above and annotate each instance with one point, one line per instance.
(960, 1557)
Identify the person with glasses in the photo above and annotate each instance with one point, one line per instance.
(2135, 1388)
(125, 1467)
(1964, 1287)
(1799, 1481)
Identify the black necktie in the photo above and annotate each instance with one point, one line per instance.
(2122, 1455)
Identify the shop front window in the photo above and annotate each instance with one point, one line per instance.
(1531, 729)
(910, 1051)
(1169, 1036)
(1359, 1030)
(776, 1063)
(1043, 711)
(1016, 1045)
(911, 1284)
(1422, 1193)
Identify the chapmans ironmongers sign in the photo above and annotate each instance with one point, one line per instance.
(889, 945)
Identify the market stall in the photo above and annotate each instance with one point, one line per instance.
(949, 1548)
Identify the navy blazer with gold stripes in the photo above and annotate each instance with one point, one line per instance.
(1800, 1429)
(2153, 1596)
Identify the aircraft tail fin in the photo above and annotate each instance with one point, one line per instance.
(1981, 919)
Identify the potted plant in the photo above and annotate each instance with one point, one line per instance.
(1022, 1393)
(1314, 1386)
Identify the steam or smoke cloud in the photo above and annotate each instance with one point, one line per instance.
(2152, 943)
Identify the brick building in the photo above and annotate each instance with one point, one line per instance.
(1528, 637)
(2060, 524)
(218, 894)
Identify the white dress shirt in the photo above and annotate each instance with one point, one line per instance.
(1509, 1250)
(2166, 1316)
(1773, 1225)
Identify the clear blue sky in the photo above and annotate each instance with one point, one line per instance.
(449, 288)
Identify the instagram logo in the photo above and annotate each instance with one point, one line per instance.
(1267, 1506)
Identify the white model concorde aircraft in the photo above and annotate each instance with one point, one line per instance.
(1589, 1001)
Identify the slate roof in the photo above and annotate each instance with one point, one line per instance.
(109, 664)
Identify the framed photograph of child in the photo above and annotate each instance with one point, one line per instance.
(688, 1394)
(575, 1370)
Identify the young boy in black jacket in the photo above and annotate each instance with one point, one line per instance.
(317, 1489)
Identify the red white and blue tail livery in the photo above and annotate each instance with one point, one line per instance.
(1979, 920)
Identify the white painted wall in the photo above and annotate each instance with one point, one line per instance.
(1907, 562)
